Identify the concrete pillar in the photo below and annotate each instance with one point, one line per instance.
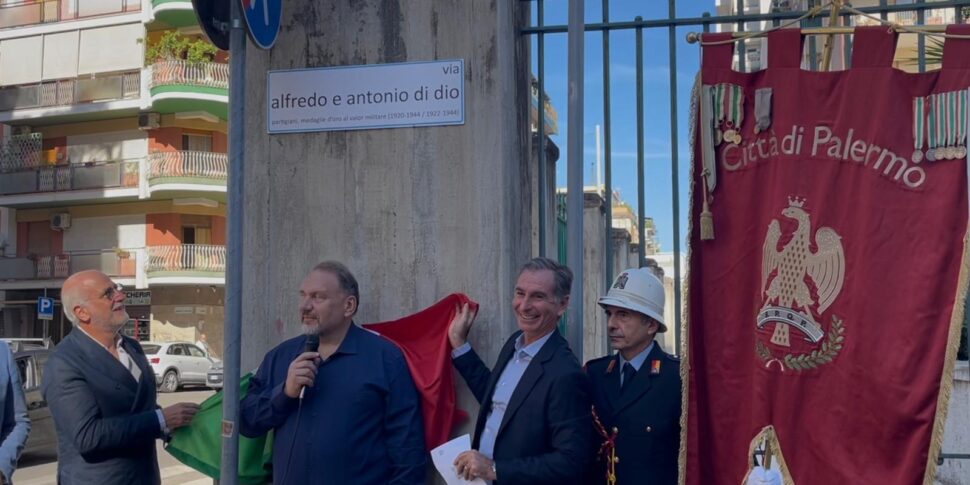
(552, 156)
(621, 240)
(416, 213)
(594, 237)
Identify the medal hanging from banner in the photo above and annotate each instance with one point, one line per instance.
(949, 150)
(728, 112)
(941, 127)
(918, 121)
(960, 151)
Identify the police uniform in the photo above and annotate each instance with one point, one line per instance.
(639, 426)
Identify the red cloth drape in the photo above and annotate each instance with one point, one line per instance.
(423, 337)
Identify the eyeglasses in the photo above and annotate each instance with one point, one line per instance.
(112, 291)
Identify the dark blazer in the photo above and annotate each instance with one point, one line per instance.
(645, 416)
(546, 433)
(105, 421)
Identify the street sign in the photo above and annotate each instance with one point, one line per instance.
(213, 16)
(263, 19)
(45, 308)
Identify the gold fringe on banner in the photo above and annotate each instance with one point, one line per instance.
(685, 304)
(949, 365)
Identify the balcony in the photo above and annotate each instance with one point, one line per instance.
(33, 12)
(139, 267)
(25, 182)
(186, 263)
(188, 167)
(34, 269)
(70, 97)
(60, 178)
(180, 86)
(173, 14)
(37, 186)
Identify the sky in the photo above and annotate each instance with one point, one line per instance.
(656, 79)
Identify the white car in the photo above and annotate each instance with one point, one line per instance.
(177, 364)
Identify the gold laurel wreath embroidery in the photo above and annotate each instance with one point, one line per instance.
(763, 352)
(826, 353)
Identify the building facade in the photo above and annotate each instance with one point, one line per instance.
(113, 157)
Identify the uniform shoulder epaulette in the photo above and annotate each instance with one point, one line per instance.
(672, 357)
(597, 361)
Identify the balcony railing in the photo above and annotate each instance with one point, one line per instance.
(186, 258)
(66, 92)
(187, 165)
(58, 178)
(59, 266)
(183, 73)
(20, 152)
(120, 263)
(30, 12)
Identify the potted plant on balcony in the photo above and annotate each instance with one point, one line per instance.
(173, 46)
(126, 264)
(176, 58)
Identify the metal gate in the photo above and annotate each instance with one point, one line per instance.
(548, 31)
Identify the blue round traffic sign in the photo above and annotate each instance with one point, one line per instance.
(263, 19)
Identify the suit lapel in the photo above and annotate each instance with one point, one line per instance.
(533, 372)
(146, 383)
(642, 380)
(102, 360)
(612, 381)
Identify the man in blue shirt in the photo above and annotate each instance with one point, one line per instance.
(347, 413)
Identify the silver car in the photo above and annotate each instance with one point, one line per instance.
(177, 364)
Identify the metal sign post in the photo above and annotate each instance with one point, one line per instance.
(233, 326)
(574, 175)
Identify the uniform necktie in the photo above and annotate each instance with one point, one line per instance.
(628, 373)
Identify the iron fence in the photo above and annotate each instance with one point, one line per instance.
(539, 32)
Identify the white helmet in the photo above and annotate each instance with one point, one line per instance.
(638, 290)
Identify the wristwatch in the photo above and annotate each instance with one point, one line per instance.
(494, 471)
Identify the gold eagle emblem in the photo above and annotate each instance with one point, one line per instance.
(789, 300)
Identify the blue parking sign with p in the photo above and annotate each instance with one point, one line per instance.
(45, 308)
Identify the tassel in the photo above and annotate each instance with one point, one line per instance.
(707, 219)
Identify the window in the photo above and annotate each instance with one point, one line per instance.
(39, 361)
(194, 351)
(22, 367)
(188, 234)
(176, 350)
(198, 143)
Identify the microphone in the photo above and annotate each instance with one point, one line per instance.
(312, 343)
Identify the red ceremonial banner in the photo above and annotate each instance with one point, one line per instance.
(828, 263)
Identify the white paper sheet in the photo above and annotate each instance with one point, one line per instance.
(444, 456)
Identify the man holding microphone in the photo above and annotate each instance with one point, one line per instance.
(340, 399)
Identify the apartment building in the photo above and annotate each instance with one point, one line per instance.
(112, 157)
